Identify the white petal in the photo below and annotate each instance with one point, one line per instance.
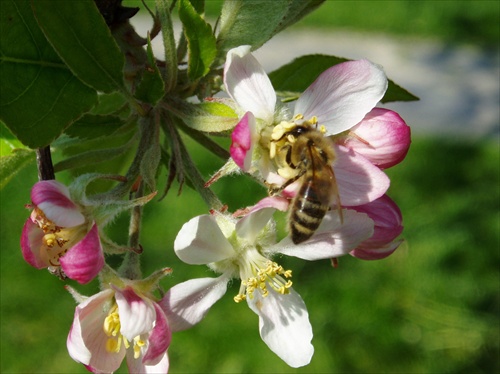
(200, 241)
(252, 224)
(137, 315)
(187, 303)
(342, 95)
(332, 239)
(248, 84)
(284, 326)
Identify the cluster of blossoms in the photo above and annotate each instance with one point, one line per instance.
(126, 319)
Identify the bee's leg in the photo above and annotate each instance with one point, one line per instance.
(274, 189)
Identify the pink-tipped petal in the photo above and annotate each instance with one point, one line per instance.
(332, 239)
(382, 137)
(136, 366)
(159, 339)
(53, 199)
(342, 95)
(31, 242)
(137, 315)
(85, 259)
(248, 84)
(201, 241)
(87, 341)
(188, 302)
(387, 217)
(284, 325)
(368, 253)
(358, 180)
(243, 141)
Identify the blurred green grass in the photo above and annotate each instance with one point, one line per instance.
(432, 306)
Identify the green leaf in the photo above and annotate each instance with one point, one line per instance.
(151, 89)
(40, 96)
(397, 93)
(248, 23)
(82, 39)
(10, 165)
(94, 126)
(296, 76)
(110, 104)
(297, 9)
(253, 23)
(209, 116)
(167, 32)
(201, 41)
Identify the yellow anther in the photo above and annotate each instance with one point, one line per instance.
(322, 129)
(49, 240)
(298, 116)
(239, 298)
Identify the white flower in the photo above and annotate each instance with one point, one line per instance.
(242, 249)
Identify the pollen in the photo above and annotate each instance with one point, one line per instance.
(115, 340)
(270, 275)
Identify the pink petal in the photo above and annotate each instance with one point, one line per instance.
(332, 239)
(137, 315)
(388, 226)
(159, 339)
(84, 260)
(243, 141)
(342, 95)
(188, 302)
(358, 180)
(31, 242)
(381, 137)
(248, 84)
(387, 217)
(378, 253)
(87, 341)
(54, 200)
(136, 366)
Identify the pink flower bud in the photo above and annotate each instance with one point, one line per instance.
(382, 137)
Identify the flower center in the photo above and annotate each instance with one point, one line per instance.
(54, 239)
(258, 273)
(112, 328)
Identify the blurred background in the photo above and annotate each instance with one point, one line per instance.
(431, 307)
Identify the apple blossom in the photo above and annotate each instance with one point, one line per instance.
(242, 248)
(59, 235)
(118, 322)
(342, 97)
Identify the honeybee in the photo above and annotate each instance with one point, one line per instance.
(308, 155)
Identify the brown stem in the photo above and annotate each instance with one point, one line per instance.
(44, 164)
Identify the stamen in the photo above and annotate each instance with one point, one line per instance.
(271, 274)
